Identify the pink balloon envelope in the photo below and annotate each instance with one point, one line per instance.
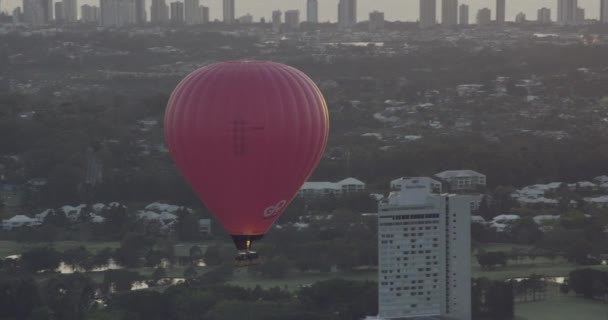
(246, 135)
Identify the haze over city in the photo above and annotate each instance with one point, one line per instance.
(402, 10)
(304, 159)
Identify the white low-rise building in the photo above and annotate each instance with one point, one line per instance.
(462, 180)
(601, 180)
(535, 194)
(319, 189)
(478, 219)
(204, 226)
(19, 221)
(164, 207)
(399, 183)
(599, 201)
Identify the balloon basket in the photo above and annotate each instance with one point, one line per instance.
(247, 259)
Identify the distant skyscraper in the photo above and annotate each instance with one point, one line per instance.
(484, 17)
(449, 13)
(229, 11)
(347, 14)
(464, 15)
(70, 10)
(17, 15)
(47, 6)
(292, 19)
(192, 14)
(117, 13)
(603, 11)
(59, 13)
(566, 12)
(376, 21)
(500, 11)
(428, 13)
(159, 11)
(141, 17)
(48, 10)
(520, 18)
(312, 11)
(89, 14)
(424, 253)
(177, 12)
(37, 12)
(204, 12)
(544, 15)
(277, 16)
(580, 15)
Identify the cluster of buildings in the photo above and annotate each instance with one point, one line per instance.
(462, 181)
(119, 13)
(424, 243)
(162, 214)
(568, 13)
(545, 194)
(112, 13)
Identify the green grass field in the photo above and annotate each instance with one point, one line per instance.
(294, 281)
(562, 307)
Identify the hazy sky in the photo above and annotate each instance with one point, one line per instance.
(393, 9)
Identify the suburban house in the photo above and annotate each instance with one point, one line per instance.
(436, 187)
(19, 221)
(319, 189)
(462, 180)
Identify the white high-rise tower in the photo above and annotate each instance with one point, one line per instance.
(347, 13)
(424, 250)
(428, 13)
(312, 11)
(566, 12)
(229, 11)
(603, 11)
(449, 13)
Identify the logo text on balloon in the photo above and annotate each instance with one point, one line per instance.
(274, 209)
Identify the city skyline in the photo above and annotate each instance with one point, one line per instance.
(394, 9)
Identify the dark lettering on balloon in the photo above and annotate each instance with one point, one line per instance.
(241, 130)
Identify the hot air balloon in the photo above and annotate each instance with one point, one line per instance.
(246, 135)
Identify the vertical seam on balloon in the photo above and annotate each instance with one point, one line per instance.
(319, 139)
(172, 114)
(288, 83)
(193, 119)
(186, 94)
(220, 83)
(324, 115)
(309, 124)
(285, 100)
(183, 119)
(250, 74)
(266, 78)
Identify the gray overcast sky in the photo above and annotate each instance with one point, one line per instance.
(393, 9)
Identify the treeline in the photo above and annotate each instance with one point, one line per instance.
(517, 160)
(76, 296)
(589, 283)
(72, 297)
(118, 223)
(492, 300)
(576, 237)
